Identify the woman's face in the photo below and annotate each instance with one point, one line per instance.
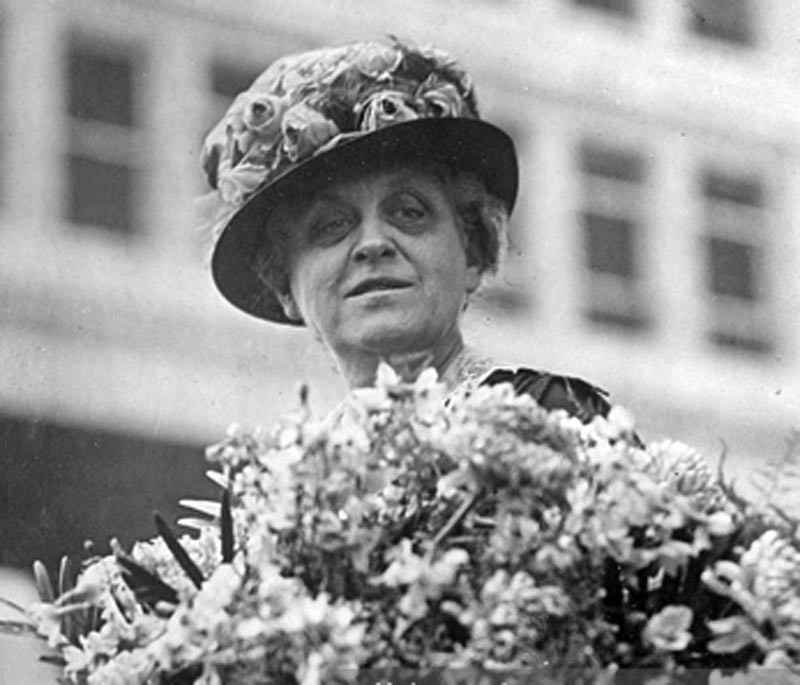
(377, 265)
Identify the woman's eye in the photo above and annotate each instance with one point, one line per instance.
(409, 210)
(332, 229)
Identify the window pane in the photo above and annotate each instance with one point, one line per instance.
(100, 194)
(731, 268)
(609, 245)
(631, 320)
(620, 7)
(229, 79)
(619, 165)
(100, 86)
(740, 189)
(728, 20)
(744, 343)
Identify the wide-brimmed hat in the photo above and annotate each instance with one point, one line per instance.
(310, 116)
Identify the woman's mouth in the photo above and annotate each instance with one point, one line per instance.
(377, 284)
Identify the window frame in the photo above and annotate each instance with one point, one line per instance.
(734, 323)
(105, 142)
(614, 301)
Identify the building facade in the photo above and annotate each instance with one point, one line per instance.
(653, 251)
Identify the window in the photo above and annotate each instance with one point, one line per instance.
(609, 245)
(228, 80)
(731, 268)
(611, 234)
(101, 162)
(726, 20)
(100, 87)
(101, 194)
(733, 245)
(622, 8)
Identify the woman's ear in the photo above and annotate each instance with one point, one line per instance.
(289, 306)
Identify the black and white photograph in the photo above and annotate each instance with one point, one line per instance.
(399, 341)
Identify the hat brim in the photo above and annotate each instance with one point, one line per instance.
(469, 144)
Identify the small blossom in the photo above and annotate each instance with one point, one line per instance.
(668, 630)
(128, 668)
(720, 523)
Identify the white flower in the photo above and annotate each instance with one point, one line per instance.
(720, 523)
(668, 630)
(127, 668)
(386, 377)
(216, 594)
(621, 420)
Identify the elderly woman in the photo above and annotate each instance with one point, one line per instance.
(360, 195)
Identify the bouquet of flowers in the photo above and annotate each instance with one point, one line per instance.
(461, 539)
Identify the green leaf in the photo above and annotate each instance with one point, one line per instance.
(65, 582)
(226, 528)
(148, 588)
(43, 584)
(180, 554)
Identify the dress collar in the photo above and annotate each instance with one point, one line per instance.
(466, 370)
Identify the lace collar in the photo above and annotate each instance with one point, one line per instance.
(466, 371)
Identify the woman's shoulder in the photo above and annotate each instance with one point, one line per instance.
(554, 391)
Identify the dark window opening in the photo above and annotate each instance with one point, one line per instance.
(728, 188)
(630, 320)
(741, 343)
(726, 20)
(731, 268)
(228, 80)
(609, 245)
(100, 86)
(101, 194)
(618, 165)
(623, 8)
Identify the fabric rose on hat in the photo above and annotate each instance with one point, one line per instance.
(440, 98)
(257, 123)
(305, 130)
(385, 108)
(236, 184)
(377, 61)
(262, 116)
(251, 127)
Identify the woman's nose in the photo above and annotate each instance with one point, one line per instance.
(374, 243)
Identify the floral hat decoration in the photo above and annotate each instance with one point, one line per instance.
(311, 115)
